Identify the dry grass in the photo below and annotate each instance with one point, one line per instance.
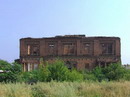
(66, 89)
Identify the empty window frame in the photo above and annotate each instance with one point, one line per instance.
(32, 49)
(107, 48)
(51, 48)
(68, 49)
(35, 50)
(87, 48)
(28, 49)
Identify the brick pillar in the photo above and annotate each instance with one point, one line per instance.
(78, 47)
(117, 48)
(23, 49)
(42, 48)
(59, 48)
(97, 50)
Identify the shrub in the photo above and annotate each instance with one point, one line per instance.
(11, 71)
(127, 75)
(74, 75)
(58, 71)
(34, 76)
(41, 74)
(98, 73)
(114, 71)
(88, 75)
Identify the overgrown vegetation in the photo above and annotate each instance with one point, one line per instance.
(56, 80)
(12, 71)
(57, 71)
(66, 89)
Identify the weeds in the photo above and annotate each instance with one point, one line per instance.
(66, 89)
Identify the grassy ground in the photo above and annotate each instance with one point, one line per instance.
(66, 89)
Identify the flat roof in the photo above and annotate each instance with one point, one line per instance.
(72, 36)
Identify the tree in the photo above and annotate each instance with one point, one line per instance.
(41, 74)
(4, 65)
(127, 75)
(58, 71)
(11, 71)
(74, 75)
(16, 71)
(98, 73)
(114, 71)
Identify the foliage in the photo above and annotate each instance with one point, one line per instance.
(16, 68)
(59, 72)
(114, 71)
(74, 75)
(127, 75)
(111, 72)
(88, 75)
(11, 71)
(38, 92)
(4, 65)
(34, 76)
(56, 71)
(40, 75)
(98, 73)
(66, 89)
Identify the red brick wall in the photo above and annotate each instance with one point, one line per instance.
(93, 58)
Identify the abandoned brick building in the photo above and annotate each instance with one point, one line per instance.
(76, 51)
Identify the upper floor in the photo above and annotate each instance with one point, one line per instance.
(70, 45)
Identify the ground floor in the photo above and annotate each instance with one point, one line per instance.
(79, 62)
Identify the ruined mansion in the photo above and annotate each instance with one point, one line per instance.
(77, 51)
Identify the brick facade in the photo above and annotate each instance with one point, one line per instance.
(77, 51)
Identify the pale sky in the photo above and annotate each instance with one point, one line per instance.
(48, 18)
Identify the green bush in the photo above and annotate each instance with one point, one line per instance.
(88, 75)
(11, 71)
(41, 74)
(114, 71)
(34, 76)
(74, 75)
(58, 71)
(98, 73)
(127, 75)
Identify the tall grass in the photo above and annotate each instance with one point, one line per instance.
(66, 89)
